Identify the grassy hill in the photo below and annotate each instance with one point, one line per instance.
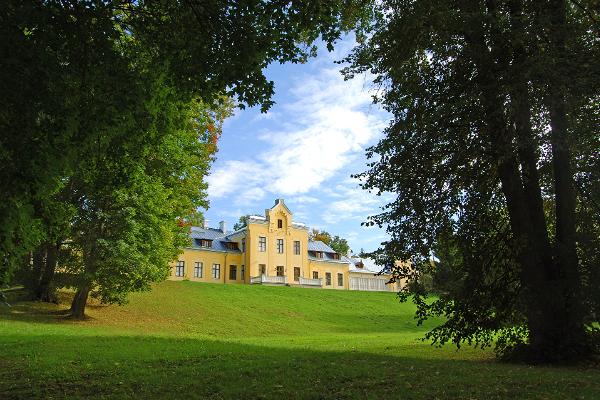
(194, 340)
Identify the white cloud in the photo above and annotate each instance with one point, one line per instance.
(325, 126)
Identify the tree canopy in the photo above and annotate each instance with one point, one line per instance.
(492, 155)
(98, 98)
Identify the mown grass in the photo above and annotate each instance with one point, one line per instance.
(193, 340)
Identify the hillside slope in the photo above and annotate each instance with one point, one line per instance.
(207, 341)
(192, 308)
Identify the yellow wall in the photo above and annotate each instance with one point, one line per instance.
(252, 257)
(208, 258)
(271, 258)
(323, 267)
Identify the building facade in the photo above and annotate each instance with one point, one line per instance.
(273, 250)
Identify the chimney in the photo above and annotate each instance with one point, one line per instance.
(205, 224)
(223, 226)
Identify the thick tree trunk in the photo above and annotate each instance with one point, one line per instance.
(571, 333)
(45, 291)
(547, 307)
(79, 302)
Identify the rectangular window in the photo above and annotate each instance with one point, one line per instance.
(328, 278)
(180, 268)
(262, 243)
(243, 245)
(340, 279)
(216, 271)
(242, 272)
(232, 272)
(296, 274)
(198, 270)
(319, 254)
(279, 270)
(262, 268)
(297, 247)
(280, 246)
(205, 243)
(335, 256)
(315, 274)
(231, 245)
(279, 223)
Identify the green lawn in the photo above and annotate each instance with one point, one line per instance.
(193, 340)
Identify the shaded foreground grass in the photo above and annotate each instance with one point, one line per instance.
(216, 341)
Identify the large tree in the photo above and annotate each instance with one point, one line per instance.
(65, 75)
(491, 147)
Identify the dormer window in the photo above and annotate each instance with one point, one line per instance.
(335, 256)
(360, 264)
(319, 254)
(231, 245)
(279, 223)
(204, 243)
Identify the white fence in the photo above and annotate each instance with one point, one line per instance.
(277, 280)
(372, 284)
(311, 282)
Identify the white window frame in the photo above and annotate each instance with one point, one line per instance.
(198, 269)
(216, 271)
(262, 244)
(180, 269)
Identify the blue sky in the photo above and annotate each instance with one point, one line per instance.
(304, 151)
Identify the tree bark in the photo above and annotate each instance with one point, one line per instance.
(567, 276)
(553, 332)
(45, 291)
(33, 281)
(79, 301)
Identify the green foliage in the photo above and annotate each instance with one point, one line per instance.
(131, 192)
(78, 77)
(486, 140)
(242, 223)
(340, 245)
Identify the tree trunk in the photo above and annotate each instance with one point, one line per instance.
(80, 301)
(45, 291)
(570, 334)
(553, 333)
(33, 280)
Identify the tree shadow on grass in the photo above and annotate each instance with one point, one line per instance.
(72, 366)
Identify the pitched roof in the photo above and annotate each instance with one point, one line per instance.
(369, 266)
(206, 233)
(317, 245)
(217, 237)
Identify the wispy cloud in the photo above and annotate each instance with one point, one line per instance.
(327, 123)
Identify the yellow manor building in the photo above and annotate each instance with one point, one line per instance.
(273, 250)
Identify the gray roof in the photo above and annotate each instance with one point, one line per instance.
(317, 245)
(206, 233)
(328, 252)
(216, 235)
